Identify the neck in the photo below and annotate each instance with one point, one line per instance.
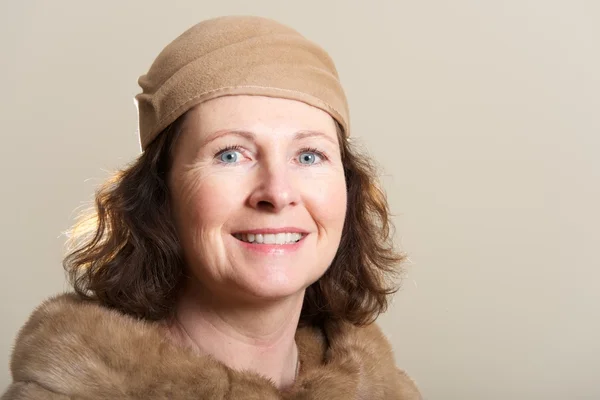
(256, 337)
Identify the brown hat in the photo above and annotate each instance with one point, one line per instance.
(237, 55)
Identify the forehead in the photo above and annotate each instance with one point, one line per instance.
(259, 114)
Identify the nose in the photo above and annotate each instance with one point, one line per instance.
(275, 188)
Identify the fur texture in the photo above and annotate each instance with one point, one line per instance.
(74, 349)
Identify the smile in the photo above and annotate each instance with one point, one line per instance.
(270, 238)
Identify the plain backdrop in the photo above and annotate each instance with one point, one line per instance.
(483, 115)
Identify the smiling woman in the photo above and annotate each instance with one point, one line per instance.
(245, 254)
(232, 185)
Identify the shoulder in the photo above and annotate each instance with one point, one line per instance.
(370, 345)
(65, 326)
(359, 361)
(71, 346)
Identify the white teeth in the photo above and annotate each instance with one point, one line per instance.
(269, 238)
(280, 238)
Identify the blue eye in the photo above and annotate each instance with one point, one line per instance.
(229, 156)
(309, 157)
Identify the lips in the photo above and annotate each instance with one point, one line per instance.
(280, 238)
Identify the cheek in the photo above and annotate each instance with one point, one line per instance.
(326, 198)
(205, 201)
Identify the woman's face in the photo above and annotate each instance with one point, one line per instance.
(259, 195)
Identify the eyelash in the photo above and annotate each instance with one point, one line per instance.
(313, 150)
(227, 148)
(302, 150)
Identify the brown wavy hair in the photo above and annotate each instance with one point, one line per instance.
(125, 252)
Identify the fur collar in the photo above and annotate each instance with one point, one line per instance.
(75, 348)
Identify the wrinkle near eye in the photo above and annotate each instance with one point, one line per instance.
(191, 179)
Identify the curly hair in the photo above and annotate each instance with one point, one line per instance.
(125, 253)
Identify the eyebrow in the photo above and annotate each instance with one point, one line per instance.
(305, 134)
(226, 132)
(252, 137)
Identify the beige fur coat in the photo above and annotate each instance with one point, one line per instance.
(73, 349)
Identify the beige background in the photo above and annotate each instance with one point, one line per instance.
(485, 116)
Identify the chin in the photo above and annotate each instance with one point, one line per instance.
(274, 288)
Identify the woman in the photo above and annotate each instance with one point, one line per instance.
(243, 255)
